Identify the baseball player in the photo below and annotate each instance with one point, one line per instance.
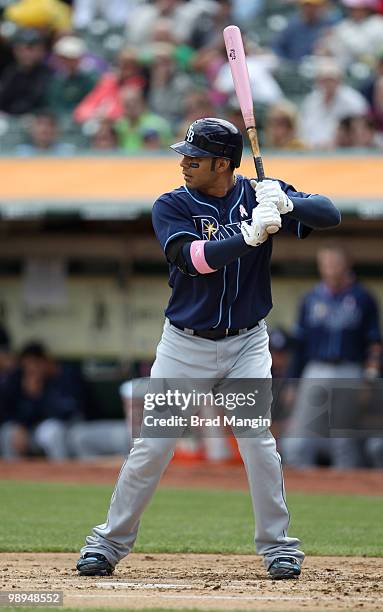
(337, 336)
(213, 231)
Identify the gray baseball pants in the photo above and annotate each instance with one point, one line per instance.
(300, 450)
(182, 356)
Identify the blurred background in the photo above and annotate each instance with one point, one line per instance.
(91, 95)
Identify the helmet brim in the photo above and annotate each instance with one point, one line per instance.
(185, 148)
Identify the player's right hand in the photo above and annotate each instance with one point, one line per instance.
(263, 217)
(269, 191)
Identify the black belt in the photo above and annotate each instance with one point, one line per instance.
(332, 361)
(214, 334)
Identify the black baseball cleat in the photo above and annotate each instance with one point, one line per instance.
(94, 564)
(283, 568)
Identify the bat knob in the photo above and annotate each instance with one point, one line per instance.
(272, 229)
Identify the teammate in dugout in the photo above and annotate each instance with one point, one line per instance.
(214, 236)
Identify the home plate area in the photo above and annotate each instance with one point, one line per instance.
(200, 581)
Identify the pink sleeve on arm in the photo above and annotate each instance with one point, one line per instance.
(197, 254)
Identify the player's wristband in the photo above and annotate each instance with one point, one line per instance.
(198, 259)
(208, 256)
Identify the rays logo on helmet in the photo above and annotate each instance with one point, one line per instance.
(190, 134)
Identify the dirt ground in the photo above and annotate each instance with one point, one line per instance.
(200, 581)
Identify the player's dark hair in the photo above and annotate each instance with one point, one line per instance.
(34, 349)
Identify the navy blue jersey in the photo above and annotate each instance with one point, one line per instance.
(237, 295)
(337, 326)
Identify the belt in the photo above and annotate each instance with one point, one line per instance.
(332, 361)
(214, 334)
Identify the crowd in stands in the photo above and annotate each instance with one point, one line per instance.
(129, 75)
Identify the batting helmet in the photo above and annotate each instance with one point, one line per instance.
(212, 137)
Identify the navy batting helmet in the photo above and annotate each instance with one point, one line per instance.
(211, 137)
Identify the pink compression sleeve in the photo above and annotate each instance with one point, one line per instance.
(197, 254)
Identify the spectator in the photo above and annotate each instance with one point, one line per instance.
(207, 63)
(40, 400)
(51, 15)
(302, 32)
(196, 106)
(377, 107)
(163, 32)
(105, 137)
(338, 337)
(183, 15)
(211, 23)
(6, 55)
(115, 12)
(233, 114)
(281, 126)
(327, 104)
(168, 86)
(91, 62)
(104, 101)
(357, 131)
(358, 37)
(44, 137)
(71, 84)
(24, 83)
(373, 90)
(245, 11)
(139, 128)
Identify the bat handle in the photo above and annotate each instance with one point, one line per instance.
(259, 168)
(252, 133)
(271, 229)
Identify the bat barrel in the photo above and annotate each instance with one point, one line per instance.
(238, 66)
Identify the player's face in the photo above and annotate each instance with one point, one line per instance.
(333, 267)
(198, 172)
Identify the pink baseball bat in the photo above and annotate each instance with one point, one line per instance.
(238, 66)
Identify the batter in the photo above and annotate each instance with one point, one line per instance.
(213, 231)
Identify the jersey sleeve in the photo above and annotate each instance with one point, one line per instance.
(171, 221)
(289, 225)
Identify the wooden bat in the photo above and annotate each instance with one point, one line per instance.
(237, 60)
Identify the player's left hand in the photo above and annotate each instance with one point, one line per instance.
(270, 192)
